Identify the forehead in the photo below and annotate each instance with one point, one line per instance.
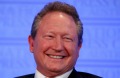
(56, 14)
(57, 20)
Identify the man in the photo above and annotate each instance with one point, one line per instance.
(55, 41)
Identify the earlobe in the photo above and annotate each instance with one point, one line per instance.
(30, 41)
(79, 46)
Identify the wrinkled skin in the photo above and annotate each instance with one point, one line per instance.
(55, 46)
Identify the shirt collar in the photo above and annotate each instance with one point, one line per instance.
(65, 75)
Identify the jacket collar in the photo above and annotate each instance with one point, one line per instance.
(75, 74)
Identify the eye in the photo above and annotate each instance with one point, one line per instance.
(49, 37)
(68, 39)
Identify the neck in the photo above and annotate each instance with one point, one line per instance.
(65, 75)
(52, 74)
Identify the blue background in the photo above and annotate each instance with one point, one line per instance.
(100, 53)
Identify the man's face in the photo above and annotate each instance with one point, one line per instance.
(55, 46)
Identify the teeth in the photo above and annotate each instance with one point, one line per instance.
(56, 57)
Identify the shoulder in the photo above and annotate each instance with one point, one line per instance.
(88, 75)
(76, 74)
(26, 76)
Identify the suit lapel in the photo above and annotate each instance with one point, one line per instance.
(75, 74)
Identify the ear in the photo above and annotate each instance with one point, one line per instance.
(30, 41)
(79, 46)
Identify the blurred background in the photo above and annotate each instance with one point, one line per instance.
(100, 53)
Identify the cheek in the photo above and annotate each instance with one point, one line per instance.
(40, 47)
(71, 48)
(73, 55)
(73, 52)
(43, 45)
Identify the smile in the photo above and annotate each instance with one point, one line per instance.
(55, 56)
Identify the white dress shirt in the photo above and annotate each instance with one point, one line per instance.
(40, 75)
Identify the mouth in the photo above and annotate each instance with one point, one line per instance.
(55, 56)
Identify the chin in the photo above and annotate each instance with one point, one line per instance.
(56, 69)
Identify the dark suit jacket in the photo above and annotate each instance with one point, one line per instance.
(74, 74)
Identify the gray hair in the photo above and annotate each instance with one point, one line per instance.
(61, 7)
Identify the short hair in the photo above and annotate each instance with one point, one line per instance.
(60, 7)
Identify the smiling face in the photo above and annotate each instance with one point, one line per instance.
(55, 46)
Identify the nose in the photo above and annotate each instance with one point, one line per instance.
(58, 45)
